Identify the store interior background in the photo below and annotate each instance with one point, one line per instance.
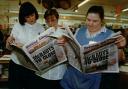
(73, 16)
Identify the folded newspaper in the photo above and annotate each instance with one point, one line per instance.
(43, 53)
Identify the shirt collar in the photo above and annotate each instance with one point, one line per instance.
(29, 25)
(103, 29)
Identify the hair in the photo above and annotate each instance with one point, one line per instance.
(26, 9)
(98, 10)
(50, 12)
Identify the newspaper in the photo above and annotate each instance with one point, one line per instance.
(101, 57)
(74, 51)
(43, 53)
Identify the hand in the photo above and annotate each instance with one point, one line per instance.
(10, 40)
(61, 41)
(120, 41)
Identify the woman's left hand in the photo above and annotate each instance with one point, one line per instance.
(120, 41)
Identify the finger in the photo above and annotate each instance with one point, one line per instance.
(11, 40)
(120, 39)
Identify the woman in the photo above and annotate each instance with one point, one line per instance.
(93, 33)
(54, 75)
(22, 32)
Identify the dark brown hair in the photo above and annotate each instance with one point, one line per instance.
(26, 9)
(98, 10)
(50, 12)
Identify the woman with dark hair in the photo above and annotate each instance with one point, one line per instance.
(20, 77)
(94, 32)
(54, 75)
(25, 10)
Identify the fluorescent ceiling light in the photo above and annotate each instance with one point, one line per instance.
(112, 18)
(125, 10)
(76, 10)
(13, 11)
(82, 3)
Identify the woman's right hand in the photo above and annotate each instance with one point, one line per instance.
(10, 40)
(61, 41)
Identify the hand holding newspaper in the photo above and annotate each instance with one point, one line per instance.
(41, 53)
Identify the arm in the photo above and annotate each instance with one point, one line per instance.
(12, 38)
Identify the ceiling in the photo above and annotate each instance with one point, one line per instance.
(11, 7)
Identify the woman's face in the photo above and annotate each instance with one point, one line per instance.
(51, 21)
(31, 19)
(93, 22)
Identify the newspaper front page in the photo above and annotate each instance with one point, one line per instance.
(102, 57)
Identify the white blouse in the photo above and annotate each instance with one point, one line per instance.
(23, 34)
